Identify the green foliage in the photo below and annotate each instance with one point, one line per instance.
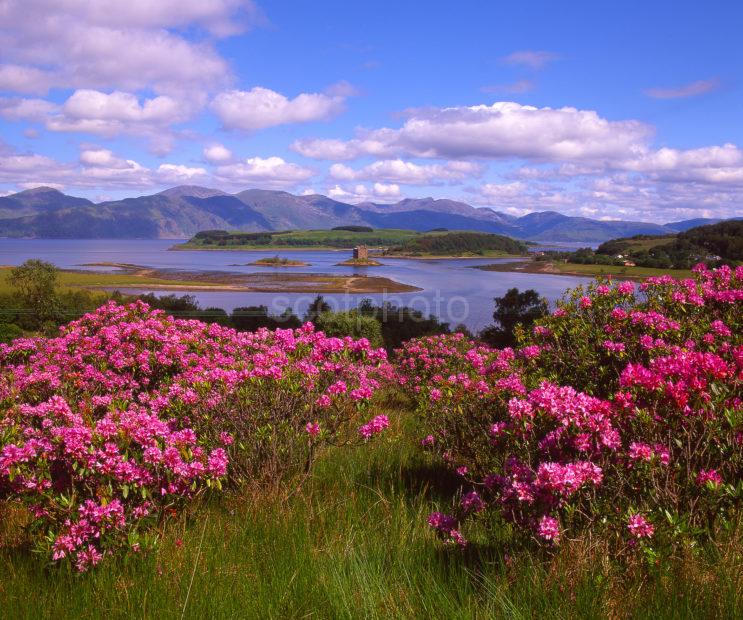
(366, 229)
(317, 307)
(513, 309)
(35, 284)
(9, 332)
(351, 323)
(724, 239)
(455, 243)
(343, 237)
(251, 318)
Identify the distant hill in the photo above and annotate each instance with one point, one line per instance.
(181, 212)
(38, 200)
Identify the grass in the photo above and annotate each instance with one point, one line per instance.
(70, 280)
(620, 270)
(353, 543)
(574, 269)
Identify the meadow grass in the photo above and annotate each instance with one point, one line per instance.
(353, 542)
(71, 280)
(621, 270)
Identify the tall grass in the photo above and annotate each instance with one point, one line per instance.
(353, 543)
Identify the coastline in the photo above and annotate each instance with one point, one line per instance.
(581, 271)
(158, 279)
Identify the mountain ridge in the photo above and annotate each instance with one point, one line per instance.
(181, 211)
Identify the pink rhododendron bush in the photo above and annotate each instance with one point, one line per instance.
(129, 412)
(620, 416)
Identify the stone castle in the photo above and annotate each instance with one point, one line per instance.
(361, 253)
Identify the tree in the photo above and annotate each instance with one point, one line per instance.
(35, 283)
(514, 308)
(316, 308)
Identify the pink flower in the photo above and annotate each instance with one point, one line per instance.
(323, 401)
(472, 502)
(312, 429)
(639, 527)
(217, 463)
(585, 302)
(377, 425)
(709, 475)
(549, 529)
(626, 288)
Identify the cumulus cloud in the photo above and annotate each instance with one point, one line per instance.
(532, 59)
(217, 153)
(111, 44)
(110, 114)
(355, 194)
(501, 130)
(16, 109)
(693, 89)
(399, 171)
(270, 172)
(260, 108)
(97, 168)
(105, 114)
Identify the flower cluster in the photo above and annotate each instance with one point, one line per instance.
(624, 402)
(129, 412)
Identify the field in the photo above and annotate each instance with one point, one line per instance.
(353, 543)
(69, 280)
(572, 269)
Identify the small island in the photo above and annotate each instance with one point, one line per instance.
(360, 258)
(278, 261)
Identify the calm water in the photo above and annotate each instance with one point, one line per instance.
(451, 290)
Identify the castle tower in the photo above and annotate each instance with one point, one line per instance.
(361, 252)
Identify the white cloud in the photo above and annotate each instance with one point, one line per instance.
(35, 110)
(18, 79)
(177, 173)
(260, 108)
(272, 172)
(217, 153)
(532, 59)
(501, 130)
(105, 114)
(97, 168)
(102, 158)
(399, 171)
(105, 44)
(355, 194)
(385, 190)
(693, 89)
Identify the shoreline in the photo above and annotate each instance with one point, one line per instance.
(254, 282)
(449, 257)
(592, 271)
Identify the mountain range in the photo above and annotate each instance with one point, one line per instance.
(180, 212)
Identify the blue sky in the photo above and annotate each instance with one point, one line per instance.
(626, 110)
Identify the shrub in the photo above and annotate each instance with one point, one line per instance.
(351, 323)
(621, 415)
(129, 412)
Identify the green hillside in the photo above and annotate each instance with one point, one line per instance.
(298, 239)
